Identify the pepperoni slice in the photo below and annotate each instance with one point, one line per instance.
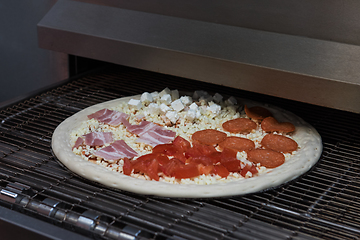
(266, 157)
(257, 112)
(237, 143)
(279, 143)
(209, 137)
(270, 124)
(239, 125)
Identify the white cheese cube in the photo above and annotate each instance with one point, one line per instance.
(217, 98)
(231, 101)
(199, 93)
(136, 104)
(165, 91)
(177, 105)
(205, 99)
(214, 108)
(190, 115)
(155, 96)
(164, 108)
(186, 100)
(154, 109)
(194, 106)
(146, 98)
(174, 95)
(172, 116)
(198, 114)
(166, 99)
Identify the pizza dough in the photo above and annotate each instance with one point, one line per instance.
(307, 155)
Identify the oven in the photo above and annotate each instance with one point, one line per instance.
(301, 56)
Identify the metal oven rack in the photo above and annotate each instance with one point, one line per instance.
(322, 204)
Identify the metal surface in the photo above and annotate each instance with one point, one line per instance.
(19, 49)
(297, 67)
(322, 204)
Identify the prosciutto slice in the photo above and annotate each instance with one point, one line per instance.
(151, 133)
(98, 138)
(78, 142)
(157, 136)
(117, 150)
(111, 117)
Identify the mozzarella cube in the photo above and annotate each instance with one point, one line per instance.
(194, 106)
(186, 100)
(217, 98)
(136, 104)
(177, 105)
(153, 109)
(155, 96)
(165, 91)
(190, 115)
(172, 116)
(174, 95)
(199, 93)
(166, 99)
(164, 108)
(214, 108)
(146, 98)
(231, 101)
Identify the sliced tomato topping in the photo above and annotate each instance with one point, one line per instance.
(221, 170)
(181, 144)
(168, 149)
(232, 165)
(169, 168)
(205, 169)
(186, 171)
(152, 170)
(162, 159)
(215, 157)
(204, 160)
(127, 167)
(228, 153)
(248, 168)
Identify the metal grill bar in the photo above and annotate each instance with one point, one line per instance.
(323, 203)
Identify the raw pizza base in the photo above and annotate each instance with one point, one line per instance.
(306, 136)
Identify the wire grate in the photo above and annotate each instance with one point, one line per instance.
(322, 204)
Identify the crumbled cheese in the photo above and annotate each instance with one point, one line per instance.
(190, 115)
(166, 99)
(136, 104)
(186, 100)
(164, 108)
(177, 105)
(217, 98)
(153, 108)
(194, 106)
(146, 98)
(172, 116)
(155, 96)
(165, 91)
(174, 95)
(214, 108)
(231, 101)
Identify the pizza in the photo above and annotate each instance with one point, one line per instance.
(188, 145)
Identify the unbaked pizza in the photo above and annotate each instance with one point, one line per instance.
(186, 145)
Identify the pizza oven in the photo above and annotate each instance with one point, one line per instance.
(300, 56)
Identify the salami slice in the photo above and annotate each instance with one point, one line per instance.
(209, 137)
(266, 157)
(270, 124)
(257, 113)
(279, 143)
(239, 125)
(237, 143)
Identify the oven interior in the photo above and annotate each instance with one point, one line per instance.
(321, 204)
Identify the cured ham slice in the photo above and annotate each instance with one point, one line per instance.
(151, 133)
(111, 117)
(156, 136)
(98, 138)
(142, 128)
(117, 150)
(78, 142)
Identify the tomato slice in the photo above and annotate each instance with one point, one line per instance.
(181, 144)
(168, 149)
(215, 157)
(186, 171)
(170, 167)
(228, 153)
(221, 170)
(248, 168)
(162, 159)
(205, 169)
(204, 160)
(127, 167)
(152, 170)
(232, 165)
